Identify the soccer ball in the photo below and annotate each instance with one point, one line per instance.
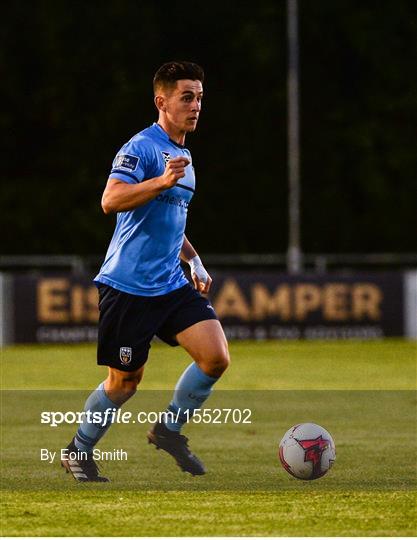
(307, 451)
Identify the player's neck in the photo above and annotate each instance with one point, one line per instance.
(174, 133)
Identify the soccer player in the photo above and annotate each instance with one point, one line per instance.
(143, 291)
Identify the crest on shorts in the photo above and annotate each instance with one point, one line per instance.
(125, 355)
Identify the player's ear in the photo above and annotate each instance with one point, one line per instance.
(160, 103)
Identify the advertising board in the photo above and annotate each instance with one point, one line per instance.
(250, 305)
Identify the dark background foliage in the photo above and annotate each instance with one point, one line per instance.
(76, 84)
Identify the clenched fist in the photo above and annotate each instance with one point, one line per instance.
(174, 170)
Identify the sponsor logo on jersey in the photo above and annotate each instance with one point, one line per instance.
(173, 200)
(126, 161)
(125, 355)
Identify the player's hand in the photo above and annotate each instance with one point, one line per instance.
(174, 170)
(201, 278)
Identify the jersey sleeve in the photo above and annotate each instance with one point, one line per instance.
(131, 163)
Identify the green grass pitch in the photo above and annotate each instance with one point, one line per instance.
(364, 393)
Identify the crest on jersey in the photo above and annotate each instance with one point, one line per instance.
(166, 156)
(125, 355)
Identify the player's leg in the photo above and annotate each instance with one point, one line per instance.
(108, 396)
(102, 403)
(121, 385)
(123, 345)
(207, 345)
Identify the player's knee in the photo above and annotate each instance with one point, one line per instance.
(124, 384)
(218, 362)
(223, 360)
(128, 387)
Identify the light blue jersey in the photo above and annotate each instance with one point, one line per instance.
(143, 257)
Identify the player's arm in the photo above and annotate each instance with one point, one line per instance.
(120, 196)
(201, 278)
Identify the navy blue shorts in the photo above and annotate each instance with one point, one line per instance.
(128, 323)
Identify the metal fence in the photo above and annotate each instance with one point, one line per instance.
(314, 262)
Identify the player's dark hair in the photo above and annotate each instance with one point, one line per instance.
(171, 72)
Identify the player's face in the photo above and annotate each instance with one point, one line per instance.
(183, 104)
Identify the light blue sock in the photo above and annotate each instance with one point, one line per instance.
(90, 433)
(192, 390)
